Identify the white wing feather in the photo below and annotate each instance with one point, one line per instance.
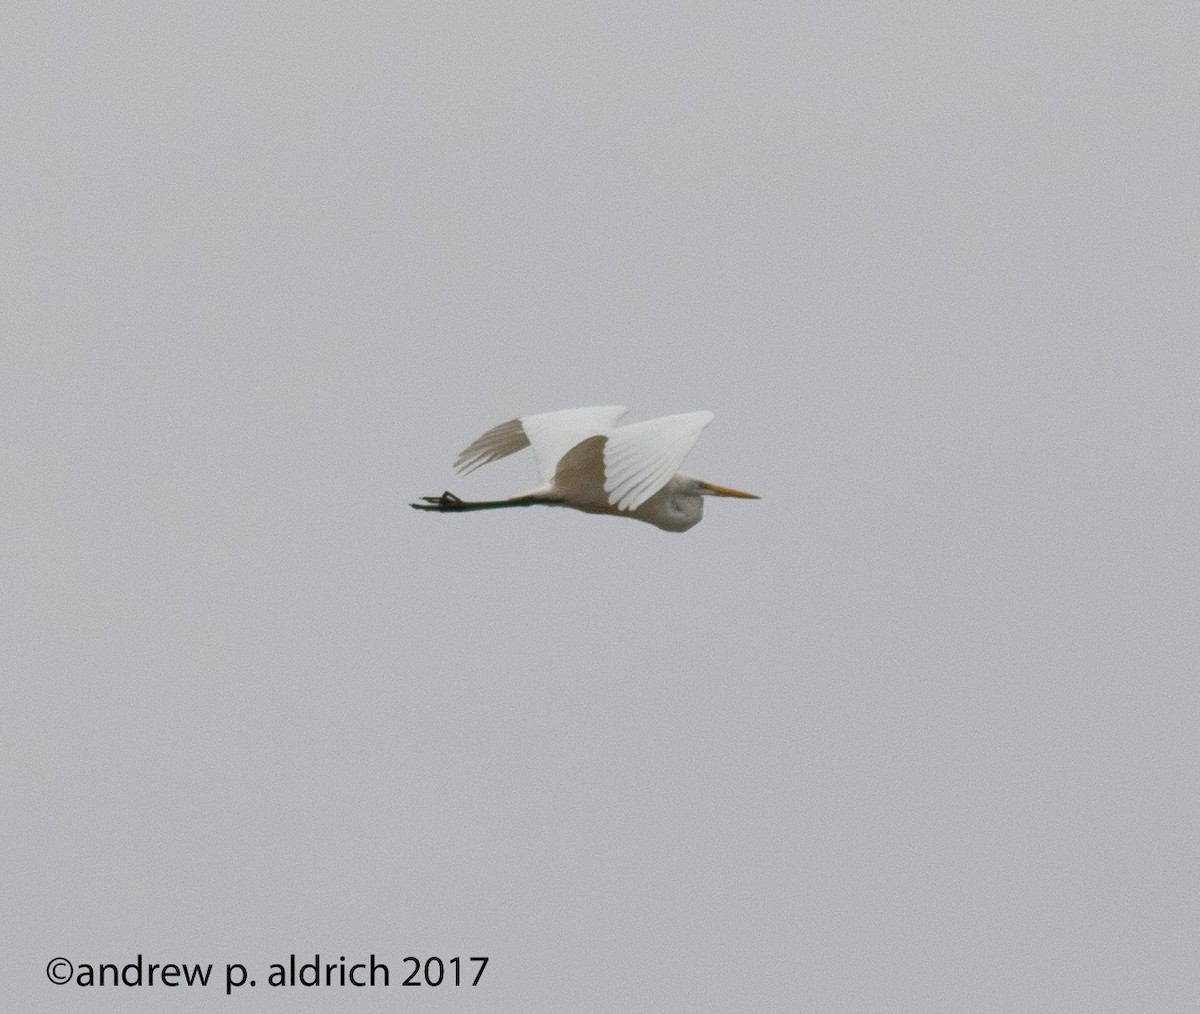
(498, 442)
(640, 459)
(550, 434)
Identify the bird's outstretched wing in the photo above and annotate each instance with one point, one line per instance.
(640, 459)
(550, 434)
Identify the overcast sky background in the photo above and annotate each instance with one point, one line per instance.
(917, 731)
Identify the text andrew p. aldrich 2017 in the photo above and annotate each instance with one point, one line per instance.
(295, 971)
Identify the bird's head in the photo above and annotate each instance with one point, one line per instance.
(679, 504)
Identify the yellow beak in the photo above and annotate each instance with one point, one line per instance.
(726, 491)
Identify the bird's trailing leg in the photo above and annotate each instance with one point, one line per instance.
(448, 502)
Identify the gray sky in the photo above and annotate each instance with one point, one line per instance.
(917, 731)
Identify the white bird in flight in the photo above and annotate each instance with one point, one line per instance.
(589, 463)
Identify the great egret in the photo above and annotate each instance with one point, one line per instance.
(589, 463)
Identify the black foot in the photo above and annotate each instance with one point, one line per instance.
(446, 502)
